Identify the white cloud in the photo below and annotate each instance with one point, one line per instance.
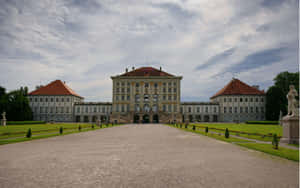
(85, 42)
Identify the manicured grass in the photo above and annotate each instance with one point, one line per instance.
(249, 128)
(19, 130)
(290, 154)
(51, 134)
(216, 136)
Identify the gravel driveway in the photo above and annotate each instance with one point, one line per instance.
(148, 155)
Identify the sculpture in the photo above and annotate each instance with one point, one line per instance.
(292, 102)
(3, 120)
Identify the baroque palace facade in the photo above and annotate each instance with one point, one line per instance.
(147, 95)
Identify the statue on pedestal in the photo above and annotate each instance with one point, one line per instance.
(292, 102)
(3, 120)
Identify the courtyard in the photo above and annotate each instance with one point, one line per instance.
(140, 155)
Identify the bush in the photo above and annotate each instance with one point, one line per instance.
(226, 133)
(263, 122)
(79, 128)
(29, 133)
(24, 122)
(61, 130)
(194, 127)
(93, 126)
(275, 141)
(206, 129)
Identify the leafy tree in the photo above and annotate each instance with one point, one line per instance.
(276, 102)
(15, 104)
(276, 95)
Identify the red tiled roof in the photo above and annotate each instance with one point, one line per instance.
(237, 87)
(146, 71)
(56, 87)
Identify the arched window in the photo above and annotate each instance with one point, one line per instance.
(146, 108)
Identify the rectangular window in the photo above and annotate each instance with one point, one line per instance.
(122, 108)
(169, 90)
(46, 99)
(251, 109)
(241, 109)
(189, 109)
(256, 109)
(62, 100)
(68, 100)
(175, 97)
(235, 109)
(51, 99)
(86, 109)
(137, 98)
(117, 97)
(146, 85)
(224, 99)
(41, 110)
(169, 108)
(95, 109)
(229, 99)
(175, 90)
(198, 109)
(128, 97)
(262, 99)
(256, 99)
(246, 109)
(41, 99)
(146, 97)
(246, 99)
(164, 97)
(155, 98)
(235, 99)
(169, 97)
(62, 109)
(164, 89)
(78, 109)
(164, 108)
(215, 109)
(225, 110)
(241, 99)
(123, 97)
(262, 109)
(230, 109)
(251, 99)
(57, 100)
(123, 84)
(35, 99)
(123, 90)
(128, 90)
(206, 109)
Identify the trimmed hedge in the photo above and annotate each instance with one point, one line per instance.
(24, 122)
(263, 122)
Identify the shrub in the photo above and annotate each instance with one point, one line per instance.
(24, 122)
(180, 126)
(93, 126)
(29, 133)
(186, 126)
(275, 141)
(100, 125)
(206, 129)
(226, 133)
(79, 128)
(194, 127)
(61, 130)
(263, 122)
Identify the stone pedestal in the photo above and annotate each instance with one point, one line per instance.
(3, 122)
(290, 126)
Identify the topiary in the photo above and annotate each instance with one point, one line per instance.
(275, 141)
(194, 127)
(226, 133)
(206, 129)
(93, 126)
(79, 128)
(61, 130)
(29, 134)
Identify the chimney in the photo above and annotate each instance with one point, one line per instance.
(256, 86)
(126, 70)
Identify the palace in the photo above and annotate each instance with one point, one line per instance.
(147, 95)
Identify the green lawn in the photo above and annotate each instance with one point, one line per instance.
(267, 148)
(49, 130)
(249, 128)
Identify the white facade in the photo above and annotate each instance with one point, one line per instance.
(241, 108)
(53, 107)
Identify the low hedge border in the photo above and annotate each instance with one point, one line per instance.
(24, 122)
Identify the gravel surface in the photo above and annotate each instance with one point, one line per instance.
(148, 155)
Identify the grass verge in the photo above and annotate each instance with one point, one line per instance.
(290, 154)
(34, 137)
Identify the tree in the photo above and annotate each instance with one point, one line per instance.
(16, 104)
(276, 95)
(226, 133)
(276, 102)
(285, 79)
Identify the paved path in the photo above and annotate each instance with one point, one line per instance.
(140, 156)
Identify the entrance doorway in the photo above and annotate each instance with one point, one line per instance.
(155, 118)
(146, 118)
(77, 118)
(206, 118)
(136, 118)
(215, 118)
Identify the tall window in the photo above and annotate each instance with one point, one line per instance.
(169, 108)
(164, 108)
(137, 98)
(137, 107)
(230, 109)
(146, 97)
(155, 97)
(154, 108)
(241, 109)
(146, 108)
(225, 110)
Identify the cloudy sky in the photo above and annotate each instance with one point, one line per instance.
(84, 42)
